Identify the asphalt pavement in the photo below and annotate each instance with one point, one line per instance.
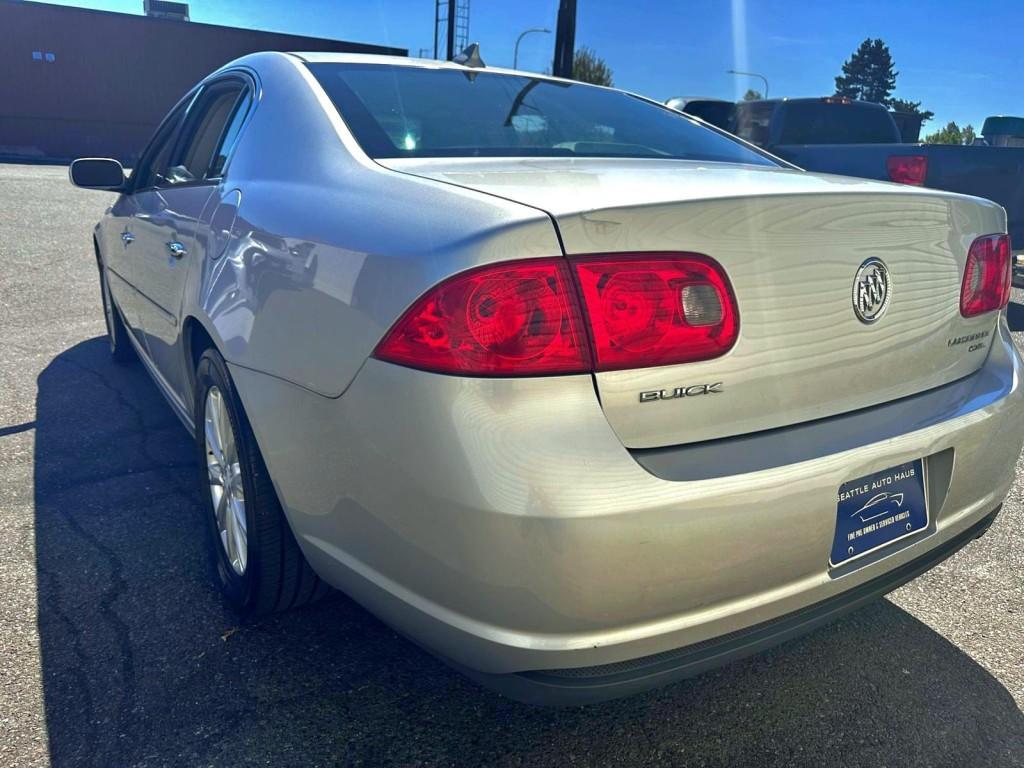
(116, 651)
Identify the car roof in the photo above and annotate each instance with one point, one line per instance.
(329, 57)
(365, 58)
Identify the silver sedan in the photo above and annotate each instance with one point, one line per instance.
(576, 391)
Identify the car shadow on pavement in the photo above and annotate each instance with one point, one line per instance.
(142, 665)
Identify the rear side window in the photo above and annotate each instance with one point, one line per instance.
(206, 126)
(835, 123)
(408, 111)
(230, 134)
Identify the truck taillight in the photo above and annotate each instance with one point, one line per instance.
(987, 276)
(528, 318)
(907, 169)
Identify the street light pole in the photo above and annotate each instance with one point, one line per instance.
(524, 33)
(751, 74)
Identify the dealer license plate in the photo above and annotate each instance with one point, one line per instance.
(878, 509)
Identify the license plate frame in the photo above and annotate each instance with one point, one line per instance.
(879, 509)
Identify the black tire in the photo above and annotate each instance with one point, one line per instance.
(117, 333)
(276, 575)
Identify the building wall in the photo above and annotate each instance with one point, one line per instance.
(77, 82)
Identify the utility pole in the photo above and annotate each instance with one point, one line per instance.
(451, 21)
(451, 30)
(565, 39)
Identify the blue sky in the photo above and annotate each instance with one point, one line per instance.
(952, 55)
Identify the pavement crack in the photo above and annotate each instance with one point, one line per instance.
(78, 672)
(122, 400)
(114, 691)
(95, 478)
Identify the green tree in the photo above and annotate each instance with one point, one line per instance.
(951, 134)
(911, 107)
(868, 75)
(752, 95)
(968, 134)
(588, 67)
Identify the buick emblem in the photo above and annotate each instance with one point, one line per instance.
(871, 290)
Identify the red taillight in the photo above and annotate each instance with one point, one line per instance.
(907, 169)
(987, 276)
(661, 309)
(524, 318)
(509, 319)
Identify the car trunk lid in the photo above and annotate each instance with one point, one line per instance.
(791, 244)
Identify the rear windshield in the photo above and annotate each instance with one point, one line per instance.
(407, 111)
(823, 123)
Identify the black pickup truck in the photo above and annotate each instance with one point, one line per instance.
(856, 138)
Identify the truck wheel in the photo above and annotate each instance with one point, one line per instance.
(259, 567)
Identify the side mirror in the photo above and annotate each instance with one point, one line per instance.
(97, 173)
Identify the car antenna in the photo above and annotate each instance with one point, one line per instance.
(470, 57)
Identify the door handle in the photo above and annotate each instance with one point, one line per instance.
(127, 238)
(177, 249)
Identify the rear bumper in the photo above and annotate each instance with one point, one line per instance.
(586, 685)
(502, 524)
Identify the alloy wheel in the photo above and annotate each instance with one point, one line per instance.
(225, 480)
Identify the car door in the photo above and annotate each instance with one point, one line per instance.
(167, 216)
(119, 249)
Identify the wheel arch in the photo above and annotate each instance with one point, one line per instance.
(196, 339)
(197, 336)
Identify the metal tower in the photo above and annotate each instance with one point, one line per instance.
(451, 27)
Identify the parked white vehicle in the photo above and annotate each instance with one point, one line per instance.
(576, 392)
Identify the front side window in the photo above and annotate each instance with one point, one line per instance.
(153, 164)
(406, 111)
